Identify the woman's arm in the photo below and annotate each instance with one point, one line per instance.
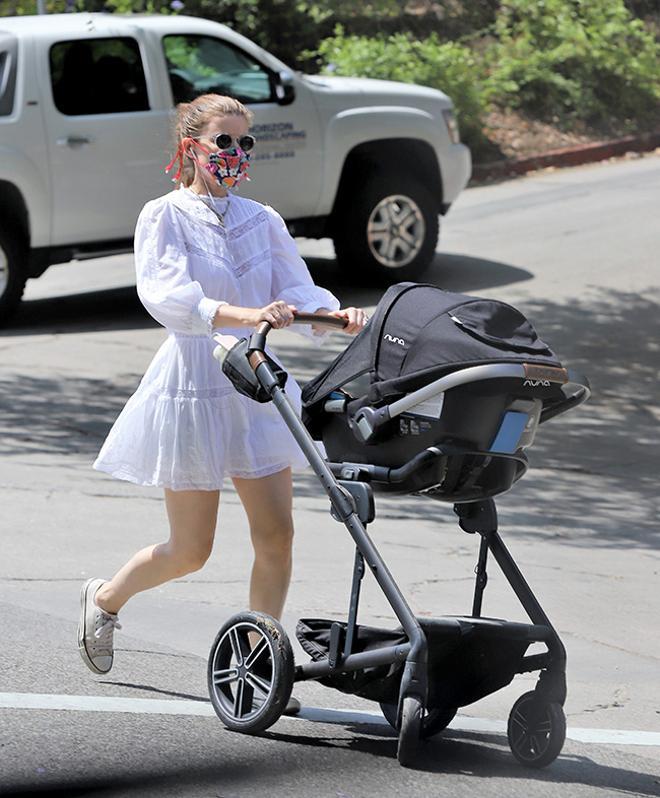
(164, 283)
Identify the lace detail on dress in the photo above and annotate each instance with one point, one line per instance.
(211, 256)
(245, 227)
(239, 269)
(195, 250)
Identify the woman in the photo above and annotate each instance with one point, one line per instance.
(205, 260)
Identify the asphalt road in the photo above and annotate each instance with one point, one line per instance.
(577, 251)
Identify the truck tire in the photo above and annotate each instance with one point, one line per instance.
(12, 276)
(388, 232)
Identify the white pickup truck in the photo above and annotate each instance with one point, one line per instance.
(85, 116)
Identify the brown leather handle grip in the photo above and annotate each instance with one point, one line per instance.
(320, 318)
(264, 327)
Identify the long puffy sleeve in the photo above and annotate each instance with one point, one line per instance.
(164, 284)
(291, 281)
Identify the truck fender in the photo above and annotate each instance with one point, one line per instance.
(20, 176)
(358, 126)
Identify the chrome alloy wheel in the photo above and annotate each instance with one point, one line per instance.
(4, 272)
(243, 676)
(396, 231)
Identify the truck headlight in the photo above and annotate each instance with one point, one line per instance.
(452, 125)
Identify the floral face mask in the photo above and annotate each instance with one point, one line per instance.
(228, 167)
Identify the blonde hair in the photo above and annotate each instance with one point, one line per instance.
(192, 118)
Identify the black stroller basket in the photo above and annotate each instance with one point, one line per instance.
(456, 390)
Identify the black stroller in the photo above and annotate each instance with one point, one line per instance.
(456, 387)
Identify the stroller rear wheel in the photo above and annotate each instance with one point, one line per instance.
(434, 721)
(250, 672)
(536, 730)
(410, 731)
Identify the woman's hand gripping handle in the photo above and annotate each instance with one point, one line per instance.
(277, 315)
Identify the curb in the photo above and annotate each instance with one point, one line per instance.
(568, 156)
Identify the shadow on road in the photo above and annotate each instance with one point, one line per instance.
(455, 754)
(485, 755)
(451, 271)
(120, 308)
(91, 311)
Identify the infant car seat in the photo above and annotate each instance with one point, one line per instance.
(455, 389)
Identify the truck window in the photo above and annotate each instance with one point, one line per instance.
(98, 76)
(8, 52)
(203, 64)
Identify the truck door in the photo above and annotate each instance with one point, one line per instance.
(106, 146)
(287, 162)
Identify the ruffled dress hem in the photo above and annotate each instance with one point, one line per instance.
(122, 471)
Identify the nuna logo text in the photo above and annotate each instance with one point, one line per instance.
(394, 340)
(535, 383)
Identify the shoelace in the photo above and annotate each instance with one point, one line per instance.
(104, 633)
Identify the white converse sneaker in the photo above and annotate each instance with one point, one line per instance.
(95, 630)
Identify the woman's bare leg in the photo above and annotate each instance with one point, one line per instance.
(268, 504)
(192, 516)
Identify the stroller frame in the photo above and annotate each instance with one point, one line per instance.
(351, 497)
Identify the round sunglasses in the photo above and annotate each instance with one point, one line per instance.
(223, 141)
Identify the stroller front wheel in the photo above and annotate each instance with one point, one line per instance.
(410, 731)
(250, 672)
(536, 730)
(434, 721)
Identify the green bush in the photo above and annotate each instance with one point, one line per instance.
(448, 66)
(574, 59)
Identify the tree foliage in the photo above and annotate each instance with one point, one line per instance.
(449, 66)
(568, 60)
(580, 59)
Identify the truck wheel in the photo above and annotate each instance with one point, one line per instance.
(389, 231)
(12, 277)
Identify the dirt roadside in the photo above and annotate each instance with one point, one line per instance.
(580, 151)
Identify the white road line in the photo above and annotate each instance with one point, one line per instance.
(151, 706)
(93, 703)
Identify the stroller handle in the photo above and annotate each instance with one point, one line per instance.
(264, 327)
(320, 318)
(257, 343)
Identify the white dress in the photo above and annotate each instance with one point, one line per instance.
(186, 427)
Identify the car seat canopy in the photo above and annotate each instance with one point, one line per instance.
(420, 332)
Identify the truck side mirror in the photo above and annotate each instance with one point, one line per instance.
(285, 89)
